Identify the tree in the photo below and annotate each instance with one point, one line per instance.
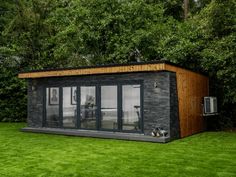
(112, 30)
(12, 92)
(217, 22)
(186, 9)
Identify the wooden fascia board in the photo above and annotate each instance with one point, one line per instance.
(97, 70)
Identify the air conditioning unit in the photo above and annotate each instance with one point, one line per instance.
(210, 106)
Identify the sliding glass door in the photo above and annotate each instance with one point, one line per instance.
(88, 107)
(131, 115)
(69, 107)
(109, 107)
(52, 117)
(116, 107)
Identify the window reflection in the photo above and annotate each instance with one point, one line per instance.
(69, 107)
(52, 107)
(131, 107)
(88, 120)
(88, 107)
(109, 107)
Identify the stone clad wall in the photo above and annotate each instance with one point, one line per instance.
(174, 111)
(159, 103)
(35, 103)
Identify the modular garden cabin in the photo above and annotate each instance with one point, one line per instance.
(130, 101)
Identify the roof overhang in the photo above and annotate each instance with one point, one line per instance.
(108, 69)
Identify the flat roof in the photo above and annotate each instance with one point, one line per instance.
(106, 69)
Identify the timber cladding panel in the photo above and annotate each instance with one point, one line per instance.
(191, 88)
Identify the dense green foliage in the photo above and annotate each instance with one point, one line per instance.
(12, 93)
(12, 90)
(26, 154)
(63, 33)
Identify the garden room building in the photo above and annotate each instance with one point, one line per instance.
(131, 101)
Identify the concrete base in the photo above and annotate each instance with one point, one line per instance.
(98, 134)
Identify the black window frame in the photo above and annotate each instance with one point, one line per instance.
(97, 86)
(100, 103)
(61, 101)
(141, 126)
(79, 106)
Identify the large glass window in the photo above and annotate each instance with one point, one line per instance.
(88, 107)
(131, 107)
(69, 106)
(109, 107)
(52, 107)
(61, 107)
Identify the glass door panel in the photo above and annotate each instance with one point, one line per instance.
(88, 107)
(109, 107)
(69, 107)
(52, 107)
(131, 107)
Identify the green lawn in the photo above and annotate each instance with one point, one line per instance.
(28, 154)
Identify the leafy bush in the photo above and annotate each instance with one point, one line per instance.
(12, 93)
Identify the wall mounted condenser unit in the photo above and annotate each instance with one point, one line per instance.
(210, 106)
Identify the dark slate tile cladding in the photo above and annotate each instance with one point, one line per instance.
(35, 103)
(160, 103)
(174, 111)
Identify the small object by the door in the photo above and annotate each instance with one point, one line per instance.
(159, 132)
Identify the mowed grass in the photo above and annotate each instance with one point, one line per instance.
(30, 154)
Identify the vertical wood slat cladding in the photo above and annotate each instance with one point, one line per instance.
(191, 86)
